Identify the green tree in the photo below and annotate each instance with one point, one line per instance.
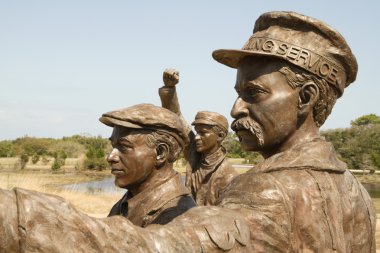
(60, 157)
(35, 158)
(232, 146)
(24, 158)
(32, 145)
(369, 119)
(234, 150)
(375, 158)
(70, 147)
(95, 159)
(95, 155)
(6, 149)
(358, 146)
(252, 157)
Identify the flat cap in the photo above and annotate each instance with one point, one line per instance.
(301, 40)
(147, 116)
(211, 118)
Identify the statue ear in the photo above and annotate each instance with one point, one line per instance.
(308, 97)
(162, 151)
(221, 136)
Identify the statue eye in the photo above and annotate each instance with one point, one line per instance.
(124, 146)
(254, 91)
(201, 133)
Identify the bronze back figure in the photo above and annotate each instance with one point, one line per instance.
(301, 198)
(208, 172)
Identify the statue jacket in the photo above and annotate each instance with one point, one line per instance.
(207, 177)
(301, 200)
(304, 200)
(158, 205)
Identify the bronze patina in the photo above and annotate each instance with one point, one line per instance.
(208, 172)
(146, 141)
(301, 198)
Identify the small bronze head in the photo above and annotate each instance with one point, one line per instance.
(145, 138)
(212, 129)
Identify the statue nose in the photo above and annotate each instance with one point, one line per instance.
(239, 109)
(113, 157)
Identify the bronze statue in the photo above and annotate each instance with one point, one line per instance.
(146, 141)
(289, 75)
(301, 198)
(208, 172)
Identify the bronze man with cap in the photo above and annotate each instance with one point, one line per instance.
(301, 198)
(146, 141)
(208, 172)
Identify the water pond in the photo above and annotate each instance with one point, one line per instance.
(373, 190)
(107, 186)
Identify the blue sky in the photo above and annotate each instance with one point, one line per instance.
(64, 63)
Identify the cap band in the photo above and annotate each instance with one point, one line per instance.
(317, 64)
(208, 121)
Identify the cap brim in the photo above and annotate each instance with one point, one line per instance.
(232, 57)
(109, 121)
(204, 122)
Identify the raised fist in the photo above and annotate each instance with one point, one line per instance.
(170, 77)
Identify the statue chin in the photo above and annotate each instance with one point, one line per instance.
(250, 144)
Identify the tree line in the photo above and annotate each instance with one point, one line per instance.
(31, 148)
(358, 146)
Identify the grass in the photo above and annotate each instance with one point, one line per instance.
(96, 205)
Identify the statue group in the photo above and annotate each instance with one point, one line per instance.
(300, 198)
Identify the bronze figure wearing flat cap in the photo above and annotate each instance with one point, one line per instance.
(146, 141)
(301, 198)
(208, 172)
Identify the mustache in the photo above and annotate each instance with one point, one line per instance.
(250, 125)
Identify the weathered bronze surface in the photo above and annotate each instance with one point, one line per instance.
(301, 198)
(208, 172)
(146, 141)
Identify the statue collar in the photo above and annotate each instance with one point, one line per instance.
(144, 207)
(316, 154)
(212, 160)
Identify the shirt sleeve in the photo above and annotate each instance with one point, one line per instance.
(49, 224)
(9, 230)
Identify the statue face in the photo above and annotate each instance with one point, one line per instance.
(206, 140)
(266, 109)
(131, 159)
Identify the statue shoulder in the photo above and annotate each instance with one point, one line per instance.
(249, 188)
(226, 167)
